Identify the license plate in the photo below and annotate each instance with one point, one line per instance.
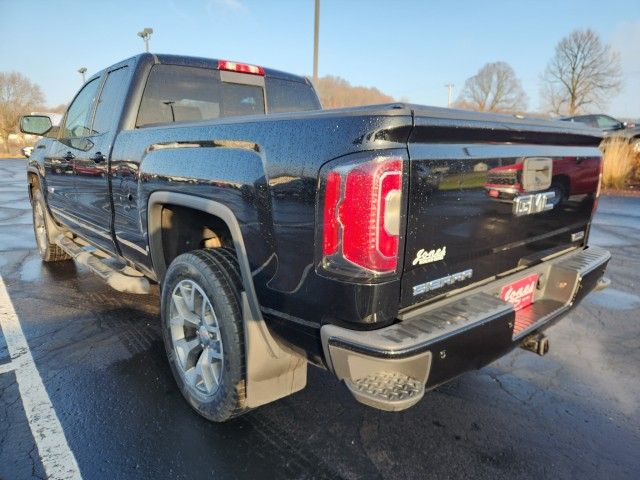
(520, 293)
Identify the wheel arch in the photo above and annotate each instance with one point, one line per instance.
(158, 200)
(563, 179)
(33, 181)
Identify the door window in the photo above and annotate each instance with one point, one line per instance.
(111, 101)
(589, 120)
(77, 123)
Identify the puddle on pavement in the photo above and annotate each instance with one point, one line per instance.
(31, 269)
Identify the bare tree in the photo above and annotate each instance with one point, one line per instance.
(58, 108)
(494, 88)
(18, 96)
(583, 72)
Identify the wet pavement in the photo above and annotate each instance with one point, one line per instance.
(572, 414)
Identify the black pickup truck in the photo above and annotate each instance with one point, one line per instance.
(395, 245)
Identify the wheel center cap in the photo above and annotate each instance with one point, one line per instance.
(203, 335)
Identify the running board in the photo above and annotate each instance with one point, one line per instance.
(116, 279)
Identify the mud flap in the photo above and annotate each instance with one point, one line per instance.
(273, 371)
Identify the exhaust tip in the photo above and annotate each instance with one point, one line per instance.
(536, 343)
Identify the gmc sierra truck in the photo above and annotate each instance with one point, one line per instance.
(359, 240)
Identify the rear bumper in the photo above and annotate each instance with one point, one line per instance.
(391, 368)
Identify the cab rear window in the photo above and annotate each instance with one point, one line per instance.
(289, 96)
(182, 94)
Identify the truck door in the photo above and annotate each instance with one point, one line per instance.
(92, 202)
(58, 160)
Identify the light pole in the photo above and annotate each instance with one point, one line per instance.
(82, 71)
(450, 87)
(316, 32)
(144, 35)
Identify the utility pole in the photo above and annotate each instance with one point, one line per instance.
(315, 43)
(144, 35)
(450, 87)
(82, 71)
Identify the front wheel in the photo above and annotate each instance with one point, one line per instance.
(203, 332)
(42, 226)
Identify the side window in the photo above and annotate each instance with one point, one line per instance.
(591, 120)
(607, 122)
(78, 120)
(176, 93)
(111, 101)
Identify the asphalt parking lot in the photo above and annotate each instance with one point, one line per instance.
(574, 413)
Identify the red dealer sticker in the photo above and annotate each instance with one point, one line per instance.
(520, 292)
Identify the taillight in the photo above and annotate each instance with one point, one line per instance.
(361, 216)
(240, 67)
(331, 227)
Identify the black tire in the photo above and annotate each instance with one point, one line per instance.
(561, 194)
(42, 226)
(215, 272)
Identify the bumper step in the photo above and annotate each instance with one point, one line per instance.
(387, 390)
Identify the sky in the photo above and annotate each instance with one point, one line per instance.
(407, 49)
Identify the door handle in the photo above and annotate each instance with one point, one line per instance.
(98, 157)
(68, 156)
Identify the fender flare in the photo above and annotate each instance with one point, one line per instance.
(36, 172)
(154, 221)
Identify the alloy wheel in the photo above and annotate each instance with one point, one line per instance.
(195, 338)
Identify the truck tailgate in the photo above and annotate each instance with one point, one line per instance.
(488, 198)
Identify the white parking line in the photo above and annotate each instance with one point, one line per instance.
(57, 459)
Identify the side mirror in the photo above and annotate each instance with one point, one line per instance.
(623, 125)
(35, 124)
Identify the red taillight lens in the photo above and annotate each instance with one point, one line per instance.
(361, 215)
(240, 67)
(331, 227)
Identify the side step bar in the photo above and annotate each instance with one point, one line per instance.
(116, 279)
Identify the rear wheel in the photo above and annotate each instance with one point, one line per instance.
(203, 332)
(560, 193)
(42, 226)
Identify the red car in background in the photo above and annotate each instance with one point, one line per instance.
(570, 176)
